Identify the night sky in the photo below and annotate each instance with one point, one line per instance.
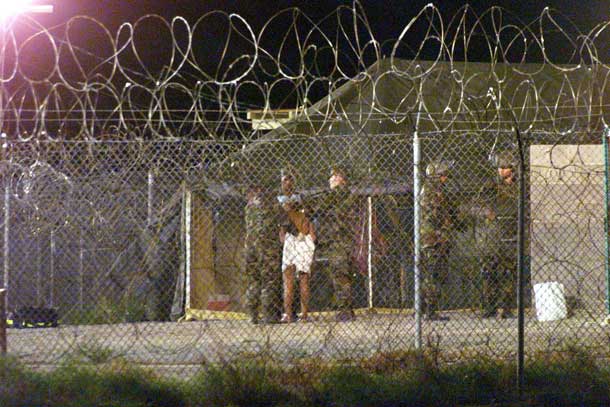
(387, 20)
(386, 17)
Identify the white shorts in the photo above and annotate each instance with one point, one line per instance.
(298, 251)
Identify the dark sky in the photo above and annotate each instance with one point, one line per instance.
(387, 17)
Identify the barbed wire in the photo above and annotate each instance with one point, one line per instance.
(119, 90)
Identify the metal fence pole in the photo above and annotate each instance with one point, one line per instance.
(187, 245)
(149, 213)
(38, 271)
(3, 342)
(370, 251)
(416, 237)
(81, 272)
(520, 266)
(606, 228)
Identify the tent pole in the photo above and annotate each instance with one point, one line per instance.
(370, 251)
(149, 212)
(81, 272)
(38, 271)
(187, 245)
(7, 230)
(416, 237)
(52, 270)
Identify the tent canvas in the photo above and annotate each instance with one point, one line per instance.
(372, 117)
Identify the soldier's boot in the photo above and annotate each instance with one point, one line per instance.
(270, 304)
(345, 315)
(489, 300)
(270, 320)
(506, 313)
(253, 316)
(507, 295)
(489, 307)
(436, 317)
(252, 306)
(343, 295)
(431, 314)
(270, 316)
(489, 313)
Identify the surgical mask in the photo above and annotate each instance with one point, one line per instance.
(294, 198)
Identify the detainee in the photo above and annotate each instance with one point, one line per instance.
(298, 237)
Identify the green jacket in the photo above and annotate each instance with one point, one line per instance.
(496, 225)
(339, 217)
(438, 214)
(263, 218)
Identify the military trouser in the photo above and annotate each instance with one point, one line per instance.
(499, 279)
(264, 281)
(435, 263)
(341, 273)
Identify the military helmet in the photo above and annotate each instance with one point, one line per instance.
(438, 168)
(287, 172)
(505, 159)
(340, 170)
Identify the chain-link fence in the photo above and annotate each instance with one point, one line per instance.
(147, 217)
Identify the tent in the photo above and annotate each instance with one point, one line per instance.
(462, 111)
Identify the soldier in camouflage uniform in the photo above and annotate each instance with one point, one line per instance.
(496, 235)
(336, 240)
(263, 255)
(437, 224)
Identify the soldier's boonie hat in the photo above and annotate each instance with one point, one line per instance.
(251, 184)
(438, 168)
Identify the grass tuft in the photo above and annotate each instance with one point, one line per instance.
(567, 377)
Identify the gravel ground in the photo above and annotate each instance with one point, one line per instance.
(182, 348)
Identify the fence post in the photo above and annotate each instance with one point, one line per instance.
(520, 266)
(3, 321)
(370, 251)
(81, 272)
(187, 244)
(416, 208)
(52, 270)
(149, 208)
(606, 226)
(38, 270)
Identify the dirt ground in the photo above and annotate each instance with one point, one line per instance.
(183, 348)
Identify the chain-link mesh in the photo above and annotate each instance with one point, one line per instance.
(146, 214)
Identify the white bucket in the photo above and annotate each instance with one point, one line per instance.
(550, 301)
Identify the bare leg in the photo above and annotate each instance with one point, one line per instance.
(304, 287)
(288, 292)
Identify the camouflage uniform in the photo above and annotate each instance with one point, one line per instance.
(497, 243)
(336, 242)
(263, 258)
(437, 223)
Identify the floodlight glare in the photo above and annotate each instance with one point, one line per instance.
(11, 8)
